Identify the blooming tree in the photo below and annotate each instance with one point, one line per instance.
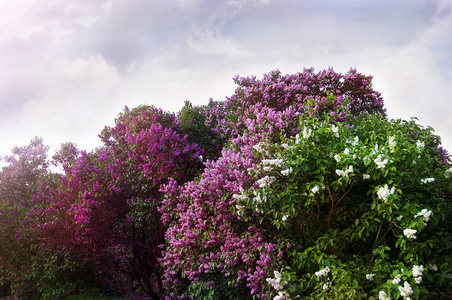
(315, 196)
(356, 207)
(338, 211)
(209, 232)
(106, 207)
(29, 269)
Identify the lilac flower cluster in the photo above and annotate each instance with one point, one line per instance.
(275, 91)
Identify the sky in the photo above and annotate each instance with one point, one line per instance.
(68, 67)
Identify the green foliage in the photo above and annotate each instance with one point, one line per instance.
(344, 199)
(228, 289)
(51, 274)
(66, 155)
(94, 293)
(194, 122)
(30, 269)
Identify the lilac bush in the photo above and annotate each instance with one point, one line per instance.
(333, 212)
(106, 206)
(210, 235)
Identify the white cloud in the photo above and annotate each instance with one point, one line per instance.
(207, 41)
(74, 105)
(69, 67)
(415, 79)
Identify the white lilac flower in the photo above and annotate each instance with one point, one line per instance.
(266, 181)
(285, 146)
(323, 272)
(297, 139)
(392, 143)
(307, 133)
(383, 296)
(406, 291)
(397, 279)
(325, 286)
(425, 214)
(384, 192)
(257, 147)
(284, 218)
(418, 270)
(270, 163)
(346, 172)
(427, 180)
(276, 282)
(273, 162)
(282, 295)
(381, 164)
(240, 207)
(340, 172)
(370, 277)
(286, 172)
(355, 141)
(420, 145)
(337, 157)
(448, 173)
(366, 176)
(239, 197)
(259, 199)
(410, 233)
(335, 130)
(315, 189)
(418, 280)
(347, 151)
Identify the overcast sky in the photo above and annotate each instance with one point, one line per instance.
(68, 67)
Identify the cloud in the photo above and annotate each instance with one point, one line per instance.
(75, 101)
(415, 79)
(69, 67)
(207, 41)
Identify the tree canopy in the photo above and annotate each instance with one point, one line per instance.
(296, 186)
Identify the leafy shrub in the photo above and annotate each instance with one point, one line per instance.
(341, 210)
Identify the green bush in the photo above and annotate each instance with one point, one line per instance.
(359, 210)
